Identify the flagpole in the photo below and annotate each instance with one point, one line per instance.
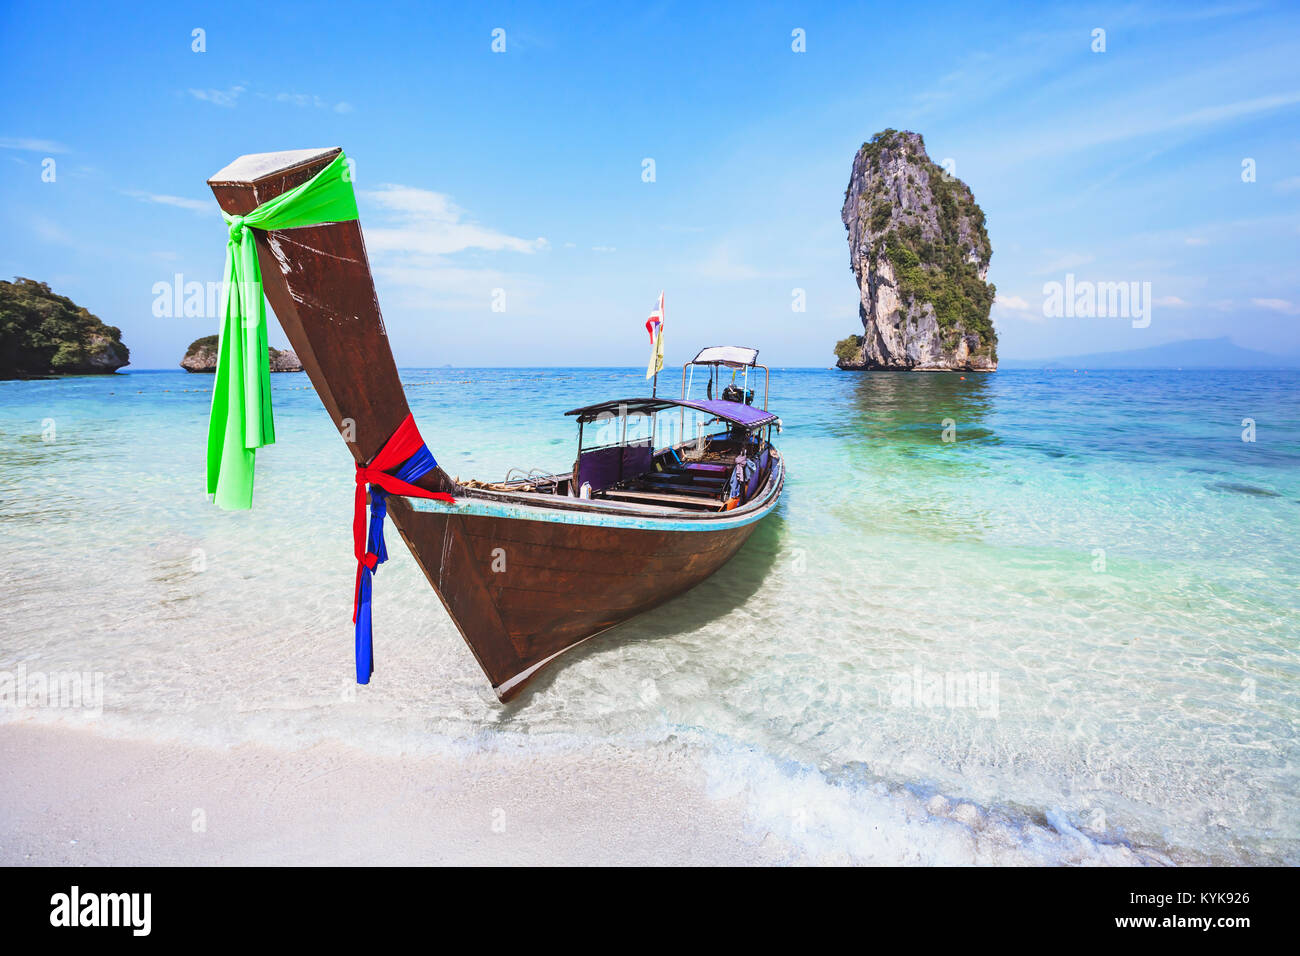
(659, 334)
(656, 344)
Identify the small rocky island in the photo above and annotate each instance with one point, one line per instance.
(201, 356)
(43, 333)
(920, 253)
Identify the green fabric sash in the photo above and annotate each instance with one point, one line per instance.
(241, 419)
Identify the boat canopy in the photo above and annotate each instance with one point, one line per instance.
(738, 413)
(732, 356)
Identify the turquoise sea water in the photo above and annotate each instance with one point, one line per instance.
(1069, 634)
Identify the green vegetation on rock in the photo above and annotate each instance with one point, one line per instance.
(941, 275)
(207, 342)
(42, 332)
(880, 215)
(846, 349)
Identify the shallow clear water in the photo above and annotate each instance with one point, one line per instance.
(1069, 634)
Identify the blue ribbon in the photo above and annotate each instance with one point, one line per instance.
(378, 512)
(364, 638)
(418, 465)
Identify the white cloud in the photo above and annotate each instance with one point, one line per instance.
(194, 205)
(1016, 307)
(1118, 122)
(32, 145)
(417, 243)
(442, 286)
(306, 101)
(1232, 111)
(1278, 305)
(423, 222)
(1170, 300)
(228, 97)
(604, 249)
(1013, 302)
(1288, 185)
(1196, 241)
(297, 99)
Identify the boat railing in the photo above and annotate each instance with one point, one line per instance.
(687, 385)
(534, 476)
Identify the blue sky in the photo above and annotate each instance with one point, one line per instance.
(522, 170)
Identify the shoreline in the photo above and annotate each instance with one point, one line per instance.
(76, 798)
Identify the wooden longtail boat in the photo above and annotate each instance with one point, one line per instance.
(530, 567)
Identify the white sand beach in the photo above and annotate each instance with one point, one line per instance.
(73, 797)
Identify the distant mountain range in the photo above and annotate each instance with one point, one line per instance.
(1191, 353)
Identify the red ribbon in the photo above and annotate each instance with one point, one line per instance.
(404, 443)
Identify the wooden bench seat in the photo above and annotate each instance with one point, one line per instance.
(661, 487)
(682, 481)
(660, 498)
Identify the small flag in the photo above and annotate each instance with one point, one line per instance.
(655, 326)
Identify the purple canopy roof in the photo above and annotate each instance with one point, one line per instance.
(737, 413)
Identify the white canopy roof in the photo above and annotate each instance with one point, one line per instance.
(734, 356)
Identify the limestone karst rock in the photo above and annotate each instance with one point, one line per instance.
(201, 356)
(920, 253)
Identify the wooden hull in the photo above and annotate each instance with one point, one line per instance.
(558, 584)
(524, 589)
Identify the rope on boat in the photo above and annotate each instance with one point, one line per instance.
(408, 458)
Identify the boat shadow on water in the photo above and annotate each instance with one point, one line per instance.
(725, 591)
